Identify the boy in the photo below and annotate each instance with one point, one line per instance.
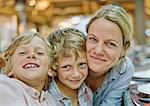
(71, 68)
(28, 60)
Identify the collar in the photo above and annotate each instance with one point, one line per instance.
(116, 71)
(53, 88)
(32, 91)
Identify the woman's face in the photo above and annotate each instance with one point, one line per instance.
(104, 45)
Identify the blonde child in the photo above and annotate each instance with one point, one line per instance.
(28, 60)
(70, 65)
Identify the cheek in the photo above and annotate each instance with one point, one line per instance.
(61, 75)
(85, 72)
(16, 63)
(88, 46)
(114, 55)
(45, 60)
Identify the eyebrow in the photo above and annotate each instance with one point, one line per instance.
(108, 40)
(92, 35)
(113, 40)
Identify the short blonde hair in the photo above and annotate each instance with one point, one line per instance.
(115, 13)
(24, 39)
(65, 42)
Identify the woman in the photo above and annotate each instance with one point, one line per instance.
(110, 71)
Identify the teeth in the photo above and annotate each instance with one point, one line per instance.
(30, 66)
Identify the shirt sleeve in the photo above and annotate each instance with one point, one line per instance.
(115, 94)
(10, 94)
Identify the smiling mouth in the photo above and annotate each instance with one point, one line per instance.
(75, 81)
(30, 65)
(97, 58)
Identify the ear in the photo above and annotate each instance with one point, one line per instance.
(122, 52)
(10, 74)
(51, 73)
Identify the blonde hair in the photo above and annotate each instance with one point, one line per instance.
(24, 39)
(115, 13)
(65, 42)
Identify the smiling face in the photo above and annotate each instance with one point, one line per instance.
(104, 45)
(30, 62)
(72, 71)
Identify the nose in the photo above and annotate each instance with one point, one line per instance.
(99, 49)
(32, 55)
(76, 74)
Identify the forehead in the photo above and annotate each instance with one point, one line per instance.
(76, 55)
(105, 27)
(102, 23)
(34, 42)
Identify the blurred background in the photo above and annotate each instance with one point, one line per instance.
(17, 16)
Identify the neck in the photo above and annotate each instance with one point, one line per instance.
(97, 79)
(40, 86)
(37, 85)
(66, 90)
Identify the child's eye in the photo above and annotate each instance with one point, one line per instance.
(22, 53)
(66, 67)
(40, 53)
(83, 65)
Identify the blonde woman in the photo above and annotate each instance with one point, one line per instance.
(110, 71)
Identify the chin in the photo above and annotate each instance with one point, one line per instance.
(94, 68)
(74, 87)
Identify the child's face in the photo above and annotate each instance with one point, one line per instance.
(30, 62)
(72, 70)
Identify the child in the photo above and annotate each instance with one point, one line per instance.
(28, 61)
(71, 68)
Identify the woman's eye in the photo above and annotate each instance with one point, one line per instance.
(110, 44)
(92, 38)
(83, 65)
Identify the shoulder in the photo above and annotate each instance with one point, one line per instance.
(8, 84)
(50, 99)
(128, 62)
(53, 87)
(126, 67)
(9, 91)
(5, 81)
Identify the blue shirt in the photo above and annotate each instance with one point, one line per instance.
(85, 95)
(115, 84)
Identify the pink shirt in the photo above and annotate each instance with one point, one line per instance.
(16, 93)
